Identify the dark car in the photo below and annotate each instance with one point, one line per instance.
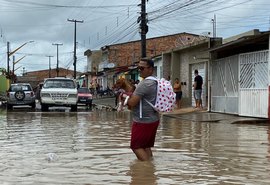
(85, 96)
(20, 94)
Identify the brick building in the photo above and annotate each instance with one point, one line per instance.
(35, 77)
(117, 60)
(126, 54)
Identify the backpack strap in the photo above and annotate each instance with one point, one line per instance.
(151, 104)
(140, 108)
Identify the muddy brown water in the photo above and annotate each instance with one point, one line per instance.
(93, 148)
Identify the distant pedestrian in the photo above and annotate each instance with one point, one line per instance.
(169, 78)
(198, 82)
(178, 91)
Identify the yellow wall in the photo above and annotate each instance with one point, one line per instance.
(4, 84)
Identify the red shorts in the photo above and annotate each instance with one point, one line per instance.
(143, 135)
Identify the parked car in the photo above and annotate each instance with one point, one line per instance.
(20, 94)
(85, 96)
(59, 91)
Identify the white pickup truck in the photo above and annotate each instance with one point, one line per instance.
(59, 91)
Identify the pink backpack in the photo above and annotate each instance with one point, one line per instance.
(165, 100)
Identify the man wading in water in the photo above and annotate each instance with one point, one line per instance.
(146, 121)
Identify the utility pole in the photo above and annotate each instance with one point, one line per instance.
(12, 75)
(75, 57)
(13, 63)
(24, 71)
(49, 56)
(57, 61)
(269, 23)
(143, 28)
(214, 21)
(8, 59)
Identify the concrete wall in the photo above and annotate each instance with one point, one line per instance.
(182, 60)
(166, 65)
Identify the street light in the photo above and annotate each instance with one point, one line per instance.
(15, 62)
(9, 53)
(17, 68)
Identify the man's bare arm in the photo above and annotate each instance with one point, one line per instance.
(133, 101)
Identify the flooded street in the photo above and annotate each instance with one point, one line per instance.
(79, 148)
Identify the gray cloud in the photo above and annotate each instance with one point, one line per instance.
(112, 21)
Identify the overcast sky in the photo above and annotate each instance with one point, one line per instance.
(108, 22)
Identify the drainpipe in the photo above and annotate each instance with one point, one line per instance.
(268, 76)
(209, 85)
(209, 77)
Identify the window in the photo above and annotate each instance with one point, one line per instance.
(57, 83)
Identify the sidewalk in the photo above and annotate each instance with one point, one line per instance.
(188, 113)
(202, 115)
(186, 110)
(185, 113)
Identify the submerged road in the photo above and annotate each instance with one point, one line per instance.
(92, 147)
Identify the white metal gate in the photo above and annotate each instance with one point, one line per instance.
(253, 92)
(224, 90)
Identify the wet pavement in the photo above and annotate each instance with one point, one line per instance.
(194, 115)
(92, 147)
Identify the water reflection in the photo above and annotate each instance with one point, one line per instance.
(268, 133)
(93, 148)
(142, 173)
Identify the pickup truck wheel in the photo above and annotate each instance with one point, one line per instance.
(9, 107)
(44, 107)
(33, 105)
(90, 105)
(74, 108)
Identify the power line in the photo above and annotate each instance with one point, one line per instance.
(40, 5)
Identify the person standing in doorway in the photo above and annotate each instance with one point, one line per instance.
(178, 91)
(198, 82)
(145, 119)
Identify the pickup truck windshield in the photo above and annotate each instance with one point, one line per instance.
(68, 84)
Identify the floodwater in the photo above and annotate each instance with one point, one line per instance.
(86, 148)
